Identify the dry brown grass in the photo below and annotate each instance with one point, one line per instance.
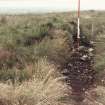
(45, 88)
(95, 96)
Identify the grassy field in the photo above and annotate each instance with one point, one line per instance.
(33, 48)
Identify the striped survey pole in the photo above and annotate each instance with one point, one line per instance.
(78, 25)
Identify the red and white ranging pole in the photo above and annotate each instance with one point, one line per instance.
(78, 25)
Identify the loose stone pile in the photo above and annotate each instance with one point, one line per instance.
(80, 72)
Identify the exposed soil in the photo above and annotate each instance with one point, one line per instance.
(80, 73)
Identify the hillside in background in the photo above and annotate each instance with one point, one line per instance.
(33, 50)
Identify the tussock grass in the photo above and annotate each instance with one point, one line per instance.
(45, 87)
(33, 93)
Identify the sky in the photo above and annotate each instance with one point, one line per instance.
(49, 5)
